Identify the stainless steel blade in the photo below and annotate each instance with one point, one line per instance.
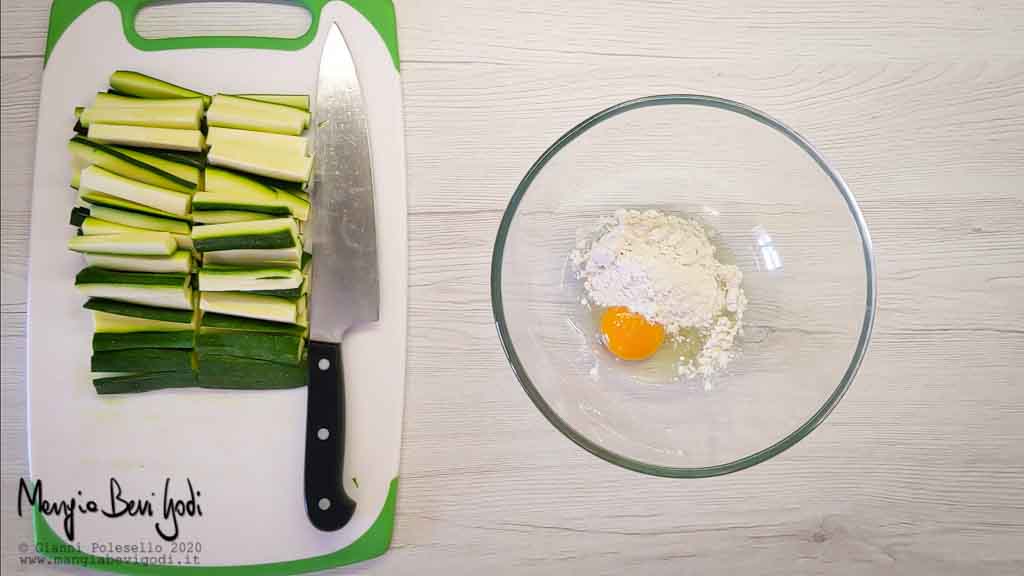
(342, 235)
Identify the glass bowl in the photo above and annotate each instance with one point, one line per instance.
(774, 207)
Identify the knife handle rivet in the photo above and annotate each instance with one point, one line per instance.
(324, 503)
(323, 364)
(323, 433)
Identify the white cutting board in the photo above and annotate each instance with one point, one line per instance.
(242, 451)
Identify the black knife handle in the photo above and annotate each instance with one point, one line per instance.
(327, 505)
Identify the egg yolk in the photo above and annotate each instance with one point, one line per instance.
(629, 335)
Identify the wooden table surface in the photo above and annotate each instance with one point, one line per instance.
(919, 104)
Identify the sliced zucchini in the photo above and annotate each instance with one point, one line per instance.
(228, 190)
(111, 307)
(228, 279)
(178, 118)
(136, 220)
(140, 85)
(289, 293)
(97, 198)
(108, 100)
(300, 101)
(229, 372)
(261, 346)
(184, 241)
(76, 178)
(239, 201)
(175, 158)
(234, 112)
(115, 324)
(261, 161)
(298, 206)
(212, 321)
(165, 138)
(142, 360)
(144, 382)
(250, 306)
(137, 166)
(223, 216)
(254, 235)
(282, 257)
(92, 226)
(161, 290)
(179, 262)
(108, 341)
(96, 178)
(127, 243)
(280, 143)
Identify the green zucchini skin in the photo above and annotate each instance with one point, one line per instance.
(279, 239)
(112, 159)
(107, 342)
(290, 293)
(194, 159)
(130, 83)
(102, 199)
(145, 382)
(279, 348)
(203, 203)
(93, 275)
(142, 360)
(212, 320)
(139, 311)
(228, 372)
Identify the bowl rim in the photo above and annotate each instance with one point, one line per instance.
(498, 310)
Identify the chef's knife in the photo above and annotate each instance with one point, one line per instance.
(344, 290)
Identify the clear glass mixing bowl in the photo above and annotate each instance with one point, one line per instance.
(777, 209)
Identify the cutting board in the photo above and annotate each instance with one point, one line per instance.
(242, 451)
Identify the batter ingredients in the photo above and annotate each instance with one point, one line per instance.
(663, 268)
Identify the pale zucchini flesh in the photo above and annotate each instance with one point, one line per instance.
(280, 143)
(224, 216)
(126, 243)
(96, 178)
(96, 198)
(143, 221)
(160, 290)
(179, 262)
(241, 113)
(256, 160)
(178, 118)
(243, 279)
(288, 257)
(108, 100)
(135, 165)
(164, 138)
(249, 306)
(115, 324)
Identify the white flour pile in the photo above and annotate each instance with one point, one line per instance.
(664, 268)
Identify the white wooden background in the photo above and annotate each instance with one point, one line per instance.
(919, 103)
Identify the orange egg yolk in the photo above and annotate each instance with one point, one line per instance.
(630, 336)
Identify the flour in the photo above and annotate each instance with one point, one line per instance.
(664, 267)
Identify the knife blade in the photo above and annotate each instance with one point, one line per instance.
(344, 289)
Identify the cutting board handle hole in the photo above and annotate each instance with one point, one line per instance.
(183, 18)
